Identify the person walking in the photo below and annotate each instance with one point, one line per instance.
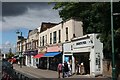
(70, 68)
(59, 69)
(66, 69)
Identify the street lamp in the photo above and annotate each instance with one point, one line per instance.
(112, 35)
(20, 55)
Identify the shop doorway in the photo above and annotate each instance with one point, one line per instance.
(82, 63)
(42, 63)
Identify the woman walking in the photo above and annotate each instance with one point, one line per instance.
(59, 69)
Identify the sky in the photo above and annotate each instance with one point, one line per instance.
(24, 16)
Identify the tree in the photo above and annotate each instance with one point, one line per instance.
(96, 18)
(10, 54)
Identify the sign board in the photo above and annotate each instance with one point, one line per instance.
(81, 43)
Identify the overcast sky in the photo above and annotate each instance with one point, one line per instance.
(24, 16)
(27, 15)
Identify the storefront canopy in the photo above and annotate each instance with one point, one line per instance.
(51, 54)
(38, 56)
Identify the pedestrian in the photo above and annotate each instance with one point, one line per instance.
(66, 69)
(59, 69)
(77, 67)
(82, 69)
(70, 68)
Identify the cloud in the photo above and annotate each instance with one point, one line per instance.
(20, 8)
(13, 9)
(6, 46)
(36, 14)
(7, 43)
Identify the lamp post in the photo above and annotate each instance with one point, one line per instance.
(114, 77)
(20, 55)
(112, 36)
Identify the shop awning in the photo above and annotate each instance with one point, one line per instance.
(51, 54)
(38, 56)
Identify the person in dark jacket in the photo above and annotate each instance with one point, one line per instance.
(66, 69)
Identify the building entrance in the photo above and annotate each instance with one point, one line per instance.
(82, 63)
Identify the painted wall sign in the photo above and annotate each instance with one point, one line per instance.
(98, 62)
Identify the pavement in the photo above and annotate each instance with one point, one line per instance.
(49, 74)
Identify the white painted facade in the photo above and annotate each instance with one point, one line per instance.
(86, 44)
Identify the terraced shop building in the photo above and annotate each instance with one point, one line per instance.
(51, 42)
(86, 54)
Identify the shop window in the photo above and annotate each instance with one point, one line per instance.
(36, 59)
(54, 37)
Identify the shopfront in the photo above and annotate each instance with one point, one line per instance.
(41, 61)
(30, 61)
(86, 55)
(54, 57)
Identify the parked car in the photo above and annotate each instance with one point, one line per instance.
(12, 60)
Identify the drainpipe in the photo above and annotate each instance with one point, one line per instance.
(73, 28)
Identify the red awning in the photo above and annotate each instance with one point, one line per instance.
(38, 55)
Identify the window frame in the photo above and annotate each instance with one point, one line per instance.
(59, 36)
(66, 33)
(54, 37)
(43, 42)
(50, 38)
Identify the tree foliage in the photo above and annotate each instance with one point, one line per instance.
(96, 18)
(10, 54)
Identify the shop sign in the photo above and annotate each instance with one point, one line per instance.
(81, 43)
(53, 49)
(98, 62)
